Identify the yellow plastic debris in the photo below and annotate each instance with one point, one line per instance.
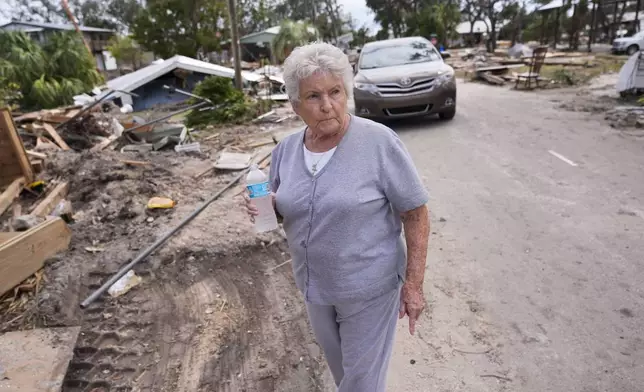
(160, 202)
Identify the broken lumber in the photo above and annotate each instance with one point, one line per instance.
(134, 163)
(37, 155)
(55, 118)
(104, 144)
(24, 254)
(13, 191)
(54, 135)
(46, 206)
(492, 79)
(14, 162)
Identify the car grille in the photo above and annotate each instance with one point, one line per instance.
(396, 90)
(407, 110)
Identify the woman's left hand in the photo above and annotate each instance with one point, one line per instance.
(412, 304)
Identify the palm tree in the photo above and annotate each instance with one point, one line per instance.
(291, 35)
(48, 76)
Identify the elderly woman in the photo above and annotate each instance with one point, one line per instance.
(345, 187)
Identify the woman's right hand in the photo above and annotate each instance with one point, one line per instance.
(251, 209)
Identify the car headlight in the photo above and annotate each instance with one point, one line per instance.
(370, 88)
(445, 77)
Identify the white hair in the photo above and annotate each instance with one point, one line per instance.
(306, 60)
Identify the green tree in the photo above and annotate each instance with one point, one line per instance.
(292, 34)
(126, 51)
(50, 75)
(361, 36)
(186, 27)
(255, 16)
(440, 19)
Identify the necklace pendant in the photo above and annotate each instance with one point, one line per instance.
(314, 168)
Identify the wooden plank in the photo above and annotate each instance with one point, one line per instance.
(8, 130)
(26, 253)
(37, 155)
(55, 118)
(134, 163)
(72, 113)
(46, 206)
(42, 143)
(54, 135)
(6, 236)
(7, 197)
(36, 360)
(104, 144)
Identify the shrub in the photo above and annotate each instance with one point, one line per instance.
(236, 108)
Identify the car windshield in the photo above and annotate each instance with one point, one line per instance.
(390, 56)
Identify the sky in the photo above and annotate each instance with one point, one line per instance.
(360, 12)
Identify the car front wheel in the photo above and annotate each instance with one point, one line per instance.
(448, 114)
(632, 49)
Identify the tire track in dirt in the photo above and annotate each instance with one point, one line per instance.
(201, 321)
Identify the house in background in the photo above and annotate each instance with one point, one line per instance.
(256, 46)
(97, 38)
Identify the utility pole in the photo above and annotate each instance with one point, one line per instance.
(235, 43)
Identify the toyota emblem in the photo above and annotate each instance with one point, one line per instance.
(405, 81)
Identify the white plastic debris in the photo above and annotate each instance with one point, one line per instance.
(125, 284)
(127, 108)
(190, 147)
(233, 161)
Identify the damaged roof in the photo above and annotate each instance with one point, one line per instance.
(136, 79)
(37, 26)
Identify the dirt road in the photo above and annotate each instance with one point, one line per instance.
(535, 273)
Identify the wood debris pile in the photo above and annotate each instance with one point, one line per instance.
(505, 64)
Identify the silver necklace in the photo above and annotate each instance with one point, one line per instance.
(314, 166)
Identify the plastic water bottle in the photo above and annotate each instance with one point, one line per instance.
(260, 195)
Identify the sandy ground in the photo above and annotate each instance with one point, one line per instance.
(535, 272)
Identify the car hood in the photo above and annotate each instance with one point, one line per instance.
(394, 74)
(624, 40)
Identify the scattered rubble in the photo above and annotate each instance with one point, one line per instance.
(87, 209)
(626, 117)
(506, 65)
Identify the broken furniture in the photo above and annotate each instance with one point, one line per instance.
(538, 58)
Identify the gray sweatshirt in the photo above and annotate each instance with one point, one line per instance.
(343, 225)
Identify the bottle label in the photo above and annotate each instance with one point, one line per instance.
(259, 190)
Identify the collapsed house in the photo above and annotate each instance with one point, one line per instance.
(147, 85)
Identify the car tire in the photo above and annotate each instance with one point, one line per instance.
(448, 114)
(632, 49)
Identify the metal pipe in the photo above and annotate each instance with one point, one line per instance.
(92, 297)
(186, 93)
(195, 106)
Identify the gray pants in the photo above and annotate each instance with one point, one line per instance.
(357, 340)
